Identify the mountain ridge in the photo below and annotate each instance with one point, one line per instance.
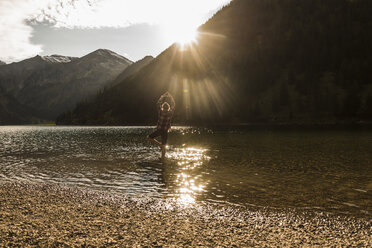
(55, 58)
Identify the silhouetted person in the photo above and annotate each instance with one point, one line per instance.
(166, 106)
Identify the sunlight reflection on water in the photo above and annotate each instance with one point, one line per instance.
(189, 160)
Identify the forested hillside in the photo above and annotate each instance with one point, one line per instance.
(255, 61)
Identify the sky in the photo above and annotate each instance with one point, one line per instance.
(132, 28)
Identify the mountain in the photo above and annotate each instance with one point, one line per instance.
(54, 84)
(255, 61)
(2, 63)
(132, 69)
(15, 76)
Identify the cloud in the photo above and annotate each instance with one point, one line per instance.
(15, 34)
(15, 15)
(123, 13)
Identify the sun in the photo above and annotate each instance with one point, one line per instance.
(185, 36)
(182, 33)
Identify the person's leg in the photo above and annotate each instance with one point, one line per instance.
(164, 138)
(163, 150)
(152, 137)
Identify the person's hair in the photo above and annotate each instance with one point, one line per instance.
(165, 106)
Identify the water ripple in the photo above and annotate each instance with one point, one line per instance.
(324, 171)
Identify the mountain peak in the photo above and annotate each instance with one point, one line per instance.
(102, 51)
(108, 54)
(146, 58)
(2, 63)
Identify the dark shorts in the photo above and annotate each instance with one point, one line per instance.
(162, 133)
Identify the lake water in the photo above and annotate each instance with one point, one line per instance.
(321, 170)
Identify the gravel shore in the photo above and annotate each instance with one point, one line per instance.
(51, 215)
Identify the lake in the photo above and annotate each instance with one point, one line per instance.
(319, 170)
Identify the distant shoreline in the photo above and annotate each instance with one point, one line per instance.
(306, 125)
(39, 214)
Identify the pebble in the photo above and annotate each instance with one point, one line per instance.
(48, 215)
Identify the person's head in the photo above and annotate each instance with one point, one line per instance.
(165, 106)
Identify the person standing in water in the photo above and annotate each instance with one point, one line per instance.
(166, 107)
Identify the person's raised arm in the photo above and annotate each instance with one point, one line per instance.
(172, 102)
(160, 101)
(158, 104)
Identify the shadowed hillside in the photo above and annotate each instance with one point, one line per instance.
(132, 69)
(11, 111)
(255, 60)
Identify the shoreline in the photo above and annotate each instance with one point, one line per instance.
(251, 125)
(45, 214)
